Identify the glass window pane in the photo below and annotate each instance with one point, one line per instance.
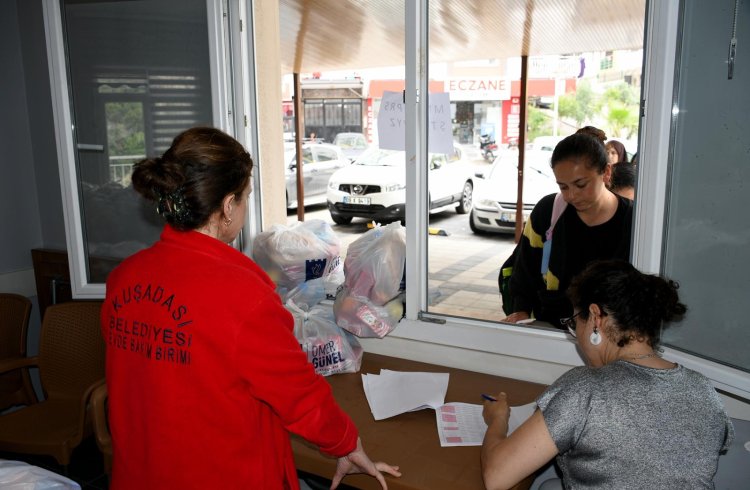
(138, 74)
(325, 154)
(334, 115)
(352, 113)
(314, 114)
(125, 138)
(707, 248)
(588, 77)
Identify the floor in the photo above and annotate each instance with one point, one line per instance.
(86, 466)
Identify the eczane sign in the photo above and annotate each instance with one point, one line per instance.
(478, 88)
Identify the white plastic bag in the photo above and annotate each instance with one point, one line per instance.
(363, 318)
(304, 251)
(17, 475)
(374, 265)
(329, 349)
(370, 304)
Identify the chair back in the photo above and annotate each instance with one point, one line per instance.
(71, 349)
(15, 386)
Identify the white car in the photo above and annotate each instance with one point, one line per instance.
(497, 190)
(374, 186)
(321, 160)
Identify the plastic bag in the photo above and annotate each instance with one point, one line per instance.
(370, 303)
(17, 475)
(329, 349)
(304, 251)
(374, 265)
(363, 318)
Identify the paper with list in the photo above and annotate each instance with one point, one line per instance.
(392, 393)
(462, 424)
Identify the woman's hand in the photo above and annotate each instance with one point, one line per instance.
(357, 461)
(496, 414)
(515, 317)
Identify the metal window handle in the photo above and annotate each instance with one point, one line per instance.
(733, 42)
(89, 147)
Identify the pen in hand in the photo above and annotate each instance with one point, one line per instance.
(489, 398)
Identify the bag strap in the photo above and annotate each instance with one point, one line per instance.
(558, 207)
(557, 210)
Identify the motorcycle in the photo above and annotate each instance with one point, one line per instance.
(488, 147)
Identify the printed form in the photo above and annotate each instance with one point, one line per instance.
(391, 393)
(462, 424)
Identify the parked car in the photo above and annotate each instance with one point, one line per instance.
(497, 190)
(321, 160)
(544, 143)
(352, 144)
(374, 186)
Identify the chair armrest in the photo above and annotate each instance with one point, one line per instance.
(7, 365)
(99, 414)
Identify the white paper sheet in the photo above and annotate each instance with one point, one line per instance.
(392, 392)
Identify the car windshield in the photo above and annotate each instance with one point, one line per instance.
(378, 157)
(350, 141)
(537, 162)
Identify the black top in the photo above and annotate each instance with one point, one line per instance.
(574, 245)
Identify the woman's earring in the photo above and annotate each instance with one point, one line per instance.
(596, 337)
(227, 221)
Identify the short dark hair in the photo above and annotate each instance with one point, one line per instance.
(190, 180)
(623, 176)
(581, 145)
(641, 305)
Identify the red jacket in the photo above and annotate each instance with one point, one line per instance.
(204, 375)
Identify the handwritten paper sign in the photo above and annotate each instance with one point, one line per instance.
(392, 123)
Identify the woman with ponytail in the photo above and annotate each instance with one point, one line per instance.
(630, 419)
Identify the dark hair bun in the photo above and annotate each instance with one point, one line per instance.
(190, 180)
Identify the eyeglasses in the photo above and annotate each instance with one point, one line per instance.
(570, 323)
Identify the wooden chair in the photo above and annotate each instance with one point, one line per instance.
(15, 387)
(71, 366)
(101, 426)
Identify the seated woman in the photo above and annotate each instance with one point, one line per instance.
(629, 419)
(594, 224)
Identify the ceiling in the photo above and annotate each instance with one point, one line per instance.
(326, 35)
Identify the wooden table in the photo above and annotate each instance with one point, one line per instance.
(410, 440)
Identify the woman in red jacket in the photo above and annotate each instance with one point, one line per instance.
(205, 376)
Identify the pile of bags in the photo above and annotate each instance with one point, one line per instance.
(305, 263)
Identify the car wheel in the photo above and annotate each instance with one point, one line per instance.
(341, 220)
(473, 227)
(465, 205)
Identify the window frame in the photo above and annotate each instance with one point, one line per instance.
(553, 350)
(222, 102)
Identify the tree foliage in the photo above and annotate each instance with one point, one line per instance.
(538, 123)
(617, 107)
(125, 128)
(580, 106)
